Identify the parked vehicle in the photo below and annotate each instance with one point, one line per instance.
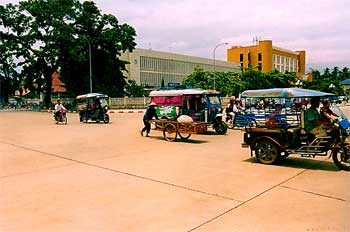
(201, 105)
(93, 107)
(273, 143)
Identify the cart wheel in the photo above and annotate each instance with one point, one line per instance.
(184, 135)
(170, 132)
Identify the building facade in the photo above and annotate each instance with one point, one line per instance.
(266, 57)
(150, 68)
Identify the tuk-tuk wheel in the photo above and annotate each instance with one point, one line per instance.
(106, 119)
(170, 132)
(266, 151)
(341, 157)
(221, 128)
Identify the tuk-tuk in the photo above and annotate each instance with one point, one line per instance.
(281, 126)
(201, 105)
(93, 107)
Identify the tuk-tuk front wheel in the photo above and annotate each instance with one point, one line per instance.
(341, 157)
(220, 128)
(106, 119)
(267, 152)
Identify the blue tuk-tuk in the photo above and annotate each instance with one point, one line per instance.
(93, 107)
(289, 133)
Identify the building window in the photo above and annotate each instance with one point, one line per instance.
(259, 56)
(241, 57)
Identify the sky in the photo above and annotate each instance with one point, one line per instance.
(195, 27)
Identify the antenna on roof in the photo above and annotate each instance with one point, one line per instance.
(255, 40)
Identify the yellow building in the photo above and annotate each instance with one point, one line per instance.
(266, 57)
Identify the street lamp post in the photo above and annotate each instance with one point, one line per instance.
(218, 45)
(90, 66)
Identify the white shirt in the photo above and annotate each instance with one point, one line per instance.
(59, 107)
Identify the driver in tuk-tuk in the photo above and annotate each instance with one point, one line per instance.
(313, 119)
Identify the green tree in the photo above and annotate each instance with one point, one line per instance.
(12, 49)
(107, 39)
(199, 79)
(54, 35)
(231, 83)
(134, 90)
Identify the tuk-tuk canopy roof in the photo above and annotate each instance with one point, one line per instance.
(92, 95)
(180, 92)
(284, 93)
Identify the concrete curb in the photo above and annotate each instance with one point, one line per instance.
(126, 111)
(109, 111)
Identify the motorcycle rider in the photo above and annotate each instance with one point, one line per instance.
(326, 113)
(58, 109)
(232, 109)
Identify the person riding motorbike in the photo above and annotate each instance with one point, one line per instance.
(59, 109)
(232, 110)
(326, 113)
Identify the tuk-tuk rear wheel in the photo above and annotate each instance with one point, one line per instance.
(267, 152)
(220, 128)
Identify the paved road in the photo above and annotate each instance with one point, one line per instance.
(97, 177)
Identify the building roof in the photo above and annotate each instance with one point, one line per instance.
(285, 50)
(57, 85)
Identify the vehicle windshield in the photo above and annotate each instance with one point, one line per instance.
(103, 102)
(338, 111)
(214, 99)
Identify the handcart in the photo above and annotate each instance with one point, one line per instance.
(172, 128)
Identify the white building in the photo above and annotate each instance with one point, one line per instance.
(148, 67)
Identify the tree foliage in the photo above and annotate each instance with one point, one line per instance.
(229, 83)
(42, 36)
(329, 78)
(134, 90)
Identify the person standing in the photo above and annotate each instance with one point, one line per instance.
(149, 114)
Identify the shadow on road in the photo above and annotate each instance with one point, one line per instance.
(190, 140)
(302, 163)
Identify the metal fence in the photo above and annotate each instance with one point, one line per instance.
(114, 103)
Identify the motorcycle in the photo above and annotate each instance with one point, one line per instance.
(230, 119)
(61, 117)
